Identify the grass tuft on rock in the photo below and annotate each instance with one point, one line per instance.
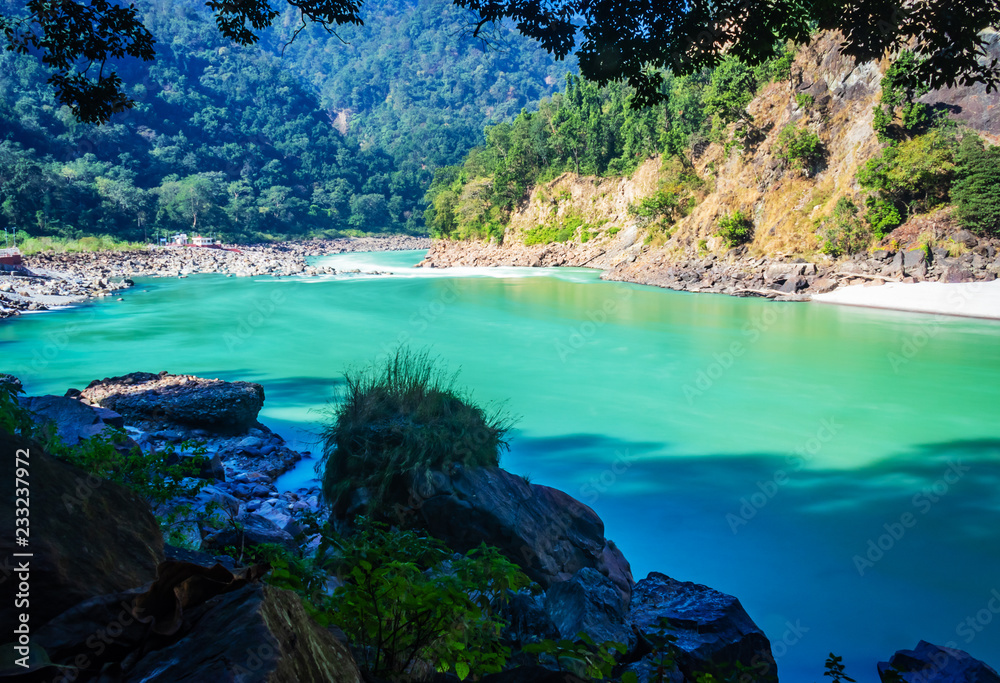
(404, 417)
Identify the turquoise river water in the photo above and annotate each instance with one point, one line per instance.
(837, 469)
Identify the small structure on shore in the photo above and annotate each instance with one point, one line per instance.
(10, 259)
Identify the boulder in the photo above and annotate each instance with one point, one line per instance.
(713, 630)
(546, 532)
(823, 285)
(89, 537)
(929, 663)
(74, 421)
(912, 257)
(196, 623)
(527, 619)
(181, 401)
(965, 237)
(794, 284)
(256, 634)
(957, 274)
(253, 530)
(588, 603)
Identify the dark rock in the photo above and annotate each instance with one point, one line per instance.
(74, 421)
(109, 417)
(713, 630)
(929, 663)
(528, 621)
(254, 530)
(211, 467)
(588, 603)
(546, 532)
(881, 254)
(171, 552)
(94, 537)
(794, 284)
(823, 285)
(965, 237)
(180, 400)
(257, 633)
(912, 257)
(11, 380)
(957, 274)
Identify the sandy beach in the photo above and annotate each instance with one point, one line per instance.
(968, 299)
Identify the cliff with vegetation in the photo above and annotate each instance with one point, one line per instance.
(844, 167)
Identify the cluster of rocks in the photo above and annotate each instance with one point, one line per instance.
(739, 273)
(191, 416)
(51, 279)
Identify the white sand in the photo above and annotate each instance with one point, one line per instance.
(971, 299)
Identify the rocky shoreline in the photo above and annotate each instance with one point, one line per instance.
(51, 280)
(739, 272)
(208, 612)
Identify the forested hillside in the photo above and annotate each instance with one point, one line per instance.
(235, 142)
(414, 82)
(810, 153)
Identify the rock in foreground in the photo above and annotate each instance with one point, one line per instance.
(929, 663)
(546, 532)
(179, 400)
(713, 630)
(89, 536)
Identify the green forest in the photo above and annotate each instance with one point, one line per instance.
(593, 130)
(245, 143)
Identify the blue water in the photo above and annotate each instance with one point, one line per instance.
(751, 446)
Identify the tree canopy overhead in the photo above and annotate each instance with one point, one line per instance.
(631, 40)
(634, 39)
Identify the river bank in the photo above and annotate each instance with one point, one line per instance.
(51, 280)
(738, 272)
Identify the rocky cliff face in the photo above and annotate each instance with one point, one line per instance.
(829, 94)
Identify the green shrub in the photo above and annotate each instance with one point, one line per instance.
(614, 230)
(900, 90)
(547, 234)
(799, 147)
(804, 100)
(844, 233)
(403, 418)
(735, 229)
(661, 203)
(882, 216)
(14, 418)
(35, 245)
(155, 476)
(406, 600)
(583, 657)
(976, 191)
(906, 177)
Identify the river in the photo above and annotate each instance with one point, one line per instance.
(837, 469)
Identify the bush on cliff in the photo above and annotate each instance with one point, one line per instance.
(400, 420)
(735, 229)
(844, 233)
(976, 191)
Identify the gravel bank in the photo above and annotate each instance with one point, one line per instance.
(51, 280)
